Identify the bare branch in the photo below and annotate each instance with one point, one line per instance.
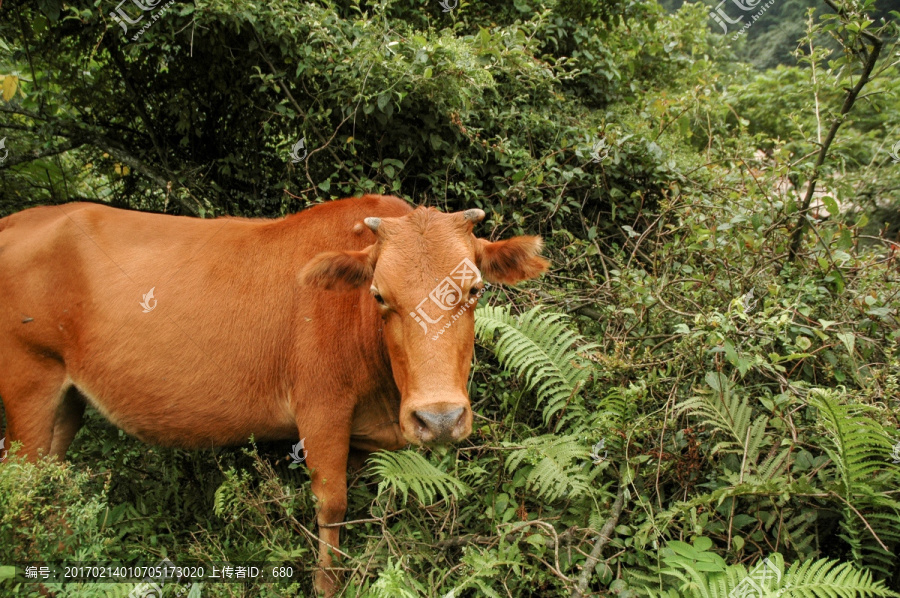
(600, 543)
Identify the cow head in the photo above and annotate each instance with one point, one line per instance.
(424, 273)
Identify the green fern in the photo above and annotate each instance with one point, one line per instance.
(825, 577)
(543, 350)
(554, 465)
(726, 411)
(614, 406)
(408, 471)
(799, 533)
(698, 573)
(859, 448)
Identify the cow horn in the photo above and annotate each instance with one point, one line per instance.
(474, 215)
(373, 223)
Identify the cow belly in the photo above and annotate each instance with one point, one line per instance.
(188, 420)
(192, 372)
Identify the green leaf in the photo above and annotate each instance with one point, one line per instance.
(849, 340)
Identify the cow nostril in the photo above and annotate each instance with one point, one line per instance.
(455, 415)
(433, 422)
(421, 421)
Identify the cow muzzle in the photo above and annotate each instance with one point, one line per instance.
(437, 422)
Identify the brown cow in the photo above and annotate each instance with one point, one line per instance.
(201, 333)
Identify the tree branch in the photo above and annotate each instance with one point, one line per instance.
(582, 310)
(600, 543)
(832, 132)
(78, 137)
(566, 537)
(38, 154)
(116, 149)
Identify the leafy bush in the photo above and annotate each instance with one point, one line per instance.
(49, 512)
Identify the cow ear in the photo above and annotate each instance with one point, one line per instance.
(340, 270)
(512, 260)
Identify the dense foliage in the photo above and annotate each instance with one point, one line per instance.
(708, 378)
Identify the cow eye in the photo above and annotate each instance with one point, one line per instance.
(474, 291)
(372, 290)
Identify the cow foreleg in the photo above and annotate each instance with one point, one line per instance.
(327, 460)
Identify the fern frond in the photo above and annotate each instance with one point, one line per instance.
(727, 412)
(542, 349)
(825, 577)
(859, 445)
(555, 465)
(797, 533)
(614, 404)
(408, 471)
(227, 500)
(767, 579)
(859, 448)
